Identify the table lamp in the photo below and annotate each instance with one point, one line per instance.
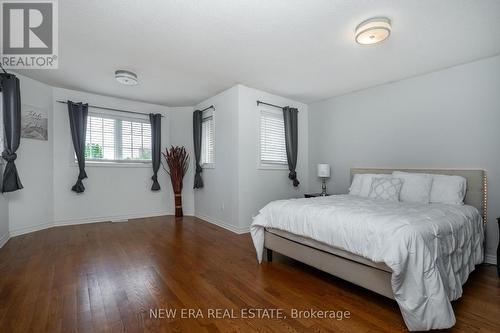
(323, 173)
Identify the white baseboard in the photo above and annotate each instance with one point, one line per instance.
(4, 239)
(27, 230)
(67, 222)
(63, 222)
(490, 258)
(225, 225)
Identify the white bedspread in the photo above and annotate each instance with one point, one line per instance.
(431, 248)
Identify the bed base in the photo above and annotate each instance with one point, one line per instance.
(368, 277)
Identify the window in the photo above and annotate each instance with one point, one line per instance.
(207, 139)
(272, 138)
(113, 138)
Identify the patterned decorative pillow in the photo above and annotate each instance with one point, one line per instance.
(386, 188)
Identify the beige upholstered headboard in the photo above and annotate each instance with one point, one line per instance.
(477, 187)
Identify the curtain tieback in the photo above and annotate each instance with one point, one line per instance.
(293, 176)
(199, 169)
(8, 156)
(82, 175)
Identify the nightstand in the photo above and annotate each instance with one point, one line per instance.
(313, 195)
(498, 250)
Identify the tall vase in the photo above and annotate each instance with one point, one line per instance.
(178, 205)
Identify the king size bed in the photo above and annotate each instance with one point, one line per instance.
(419, 253)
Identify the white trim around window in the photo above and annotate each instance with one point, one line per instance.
(271, 152)
(208, 139)
(121, 140)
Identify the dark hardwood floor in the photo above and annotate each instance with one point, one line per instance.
(105, 277)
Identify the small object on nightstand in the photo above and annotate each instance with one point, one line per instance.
(314, 195)
(498, 250)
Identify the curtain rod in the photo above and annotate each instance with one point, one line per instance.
(110, 109)
(273, 105)
(210, 107)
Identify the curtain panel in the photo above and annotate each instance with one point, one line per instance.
(78, 114)
(290, 116)
(9, 85)
(197, 120)
(155, 120)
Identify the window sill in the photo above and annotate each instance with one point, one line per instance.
(273, 167)
(93, 164)
(208, 166)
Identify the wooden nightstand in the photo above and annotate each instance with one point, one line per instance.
(313, 195)
(498, 250)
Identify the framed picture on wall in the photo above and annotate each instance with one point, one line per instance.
(34, 123)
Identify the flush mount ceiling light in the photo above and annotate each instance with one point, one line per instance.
(373, 31)
(126, 77)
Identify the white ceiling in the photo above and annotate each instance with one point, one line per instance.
(185, 51)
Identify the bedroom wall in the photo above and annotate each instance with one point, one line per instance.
(257, 186)
(31, 208)
(112, 191)
(181, 134)
(217, 201)
(445, 119)
(4, 218)
(236, 188)
(47, 170)
(4, 204)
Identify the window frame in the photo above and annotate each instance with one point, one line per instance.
(114, 163)
(207, 114)
(260, 164)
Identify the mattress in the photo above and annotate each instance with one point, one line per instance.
(327, 248)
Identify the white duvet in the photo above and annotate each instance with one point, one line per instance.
(431, 248)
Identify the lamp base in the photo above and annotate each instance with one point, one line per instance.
(323, 188)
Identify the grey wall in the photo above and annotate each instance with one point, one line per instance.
(217, 201)
(4, 204)
(33, 204)
(47, 170)
(257, 186)
(446, 119)
(237, 188)
(4, 219)
(112, 191)
(181, 134)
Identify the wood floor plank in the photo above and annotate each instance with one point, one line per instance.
(109, 277)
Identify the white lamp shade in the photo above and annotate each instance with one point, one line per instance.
(323, 170)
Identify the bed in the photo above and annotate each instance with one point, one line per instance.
(419, 255)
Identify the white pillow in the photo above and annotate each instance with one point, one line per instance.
(448, 189)
(367, 183)
(416, 186)
(356, 184)
(386, 188)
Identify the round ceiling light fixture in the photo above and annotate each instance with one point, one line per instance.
(126, 77)
(373, 31)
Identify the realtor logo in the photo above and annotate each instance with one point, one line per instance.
(29, 34)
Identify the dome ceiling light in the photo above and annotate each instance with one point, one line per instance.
(372, 31)
(126, 77)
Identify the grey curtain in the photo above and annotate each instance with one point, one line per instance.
(197, 119)
(78, 113)
(9, 84)
(290, 116)
(155, 120)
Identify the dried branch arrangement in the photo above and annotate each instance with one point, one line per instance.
(178, 162)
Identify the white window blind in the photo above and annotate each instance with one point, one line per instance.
(111, 138)
(207, 138)
(272, 138)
